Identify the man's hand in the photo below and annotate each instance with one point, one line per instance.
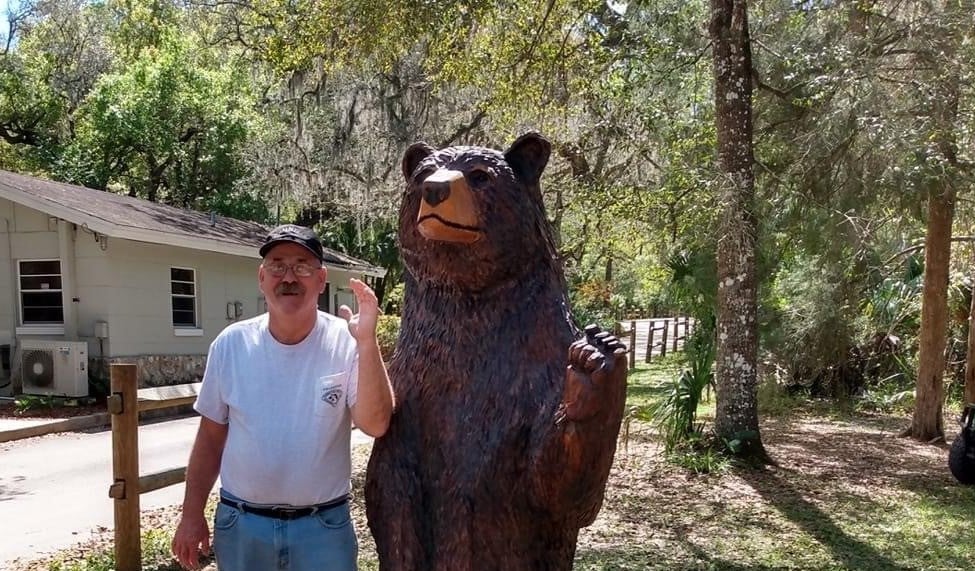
(191, 538)
(362, 325)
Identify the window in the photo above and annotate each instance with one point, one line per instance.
(40, 292)
(323, 299)
(183, 287)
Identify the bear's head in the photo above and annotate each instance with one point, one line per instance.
(473, 217)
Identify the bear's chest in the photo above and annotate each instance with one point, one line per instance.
(473, 425)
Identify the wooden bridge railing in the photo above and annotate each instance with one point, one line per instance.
(631, 346)
(662, 335)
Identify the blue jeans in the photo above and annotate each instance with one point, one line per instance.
(323, 541)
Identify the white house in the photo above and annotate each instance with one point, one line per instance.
(89, 277)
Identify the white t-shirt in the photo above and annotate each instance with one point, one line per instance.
(287, 406)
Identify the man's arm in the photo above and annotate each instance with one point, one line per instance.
(374, 402)
(193, 534)
(374, 395)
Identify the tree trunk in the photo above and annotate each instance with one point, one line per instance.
(736, 418)
(970, 355)
(927, 423)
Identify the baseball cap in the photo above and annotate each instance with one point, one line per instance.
(293, 233)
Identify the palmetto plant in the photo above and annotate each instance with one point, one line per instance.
(676, 414)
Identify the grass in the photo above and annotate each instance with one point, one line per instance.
(845, 494)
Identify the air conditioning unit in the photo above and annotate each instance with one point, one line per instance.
(55, 368)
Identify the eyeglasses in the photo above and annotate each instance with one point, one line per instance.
(301, 270)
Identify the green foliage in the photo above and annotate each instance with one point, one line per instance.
(156, 555)
(676, 414)
(887, 397)
(372, 240)
(96, 561)
(26, 403)
(387, 333)
(700, 455)
(739, 442)
(166, 128)
(774, 398)
(99, 385)
(591, 302)
(693, 284)
(810, 333)
(393, 300)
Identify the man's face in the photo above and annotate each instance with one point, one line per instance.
(290, 294)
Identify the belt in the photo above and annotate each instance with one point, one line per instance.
(283, 512)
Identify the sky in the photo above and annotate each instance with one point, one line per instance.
(4, 24)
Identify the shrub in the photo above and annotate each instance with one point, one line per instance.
(26, 403)
(676, 413)
(591, 302)
(387, 333)
(811, 333)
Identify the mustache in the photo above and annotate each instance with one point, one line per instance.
(288, 288)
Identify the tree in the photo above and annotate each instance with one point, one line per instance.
(165, 128)
(940, 176)
(970, 353)
(927, 423)
(736, 371)
(54, 53)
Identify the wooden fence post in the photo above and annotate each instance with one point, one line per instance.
(676, 332)
(632, 345)
(123, 405)
(650, 341)
(663, 338)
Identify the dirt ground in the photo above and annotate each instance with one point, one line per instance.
(820, 464)
(660, 516)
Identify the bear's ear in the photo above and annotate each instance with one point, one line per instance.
(528, 156)
(413, 156)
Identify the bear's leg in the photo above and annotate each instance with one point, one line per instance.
(394, 508)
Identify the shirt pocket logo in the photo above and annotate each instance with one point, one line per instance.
(332, 394)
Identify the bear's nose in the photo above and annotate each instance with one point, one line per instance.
(435, 192)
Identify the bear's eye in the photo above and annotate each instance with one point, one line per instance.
(478, 178)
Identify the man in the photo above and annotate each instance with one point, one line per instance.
(278, 397)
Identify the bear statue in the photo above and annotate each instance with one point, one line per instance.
(506, 415)
(961, 458)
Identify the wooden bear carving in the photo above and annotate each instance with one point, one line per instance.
(961, 457)
(506, 421)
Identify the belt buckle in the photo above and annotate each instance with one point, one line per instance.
(286, 513)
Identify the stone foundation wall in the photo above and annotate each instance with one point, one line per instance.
(157, 370)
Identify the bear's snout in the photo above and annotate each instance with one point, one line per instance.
(448, 212)
(436, 191)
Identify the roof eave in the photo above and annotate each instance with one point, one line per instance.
(112, 230)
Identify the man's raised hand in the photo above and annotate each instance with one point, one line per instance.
(362, 325)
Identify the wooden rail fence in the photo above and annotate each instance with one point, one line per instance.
(125, 403)
(654, 337)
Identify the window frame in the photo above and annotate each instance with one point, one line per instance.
(37, 327)
(183, 329)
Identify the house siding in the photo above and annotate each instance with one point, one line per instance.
(32, 235)
(140, 316)
(126, 283)
(8, 307)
